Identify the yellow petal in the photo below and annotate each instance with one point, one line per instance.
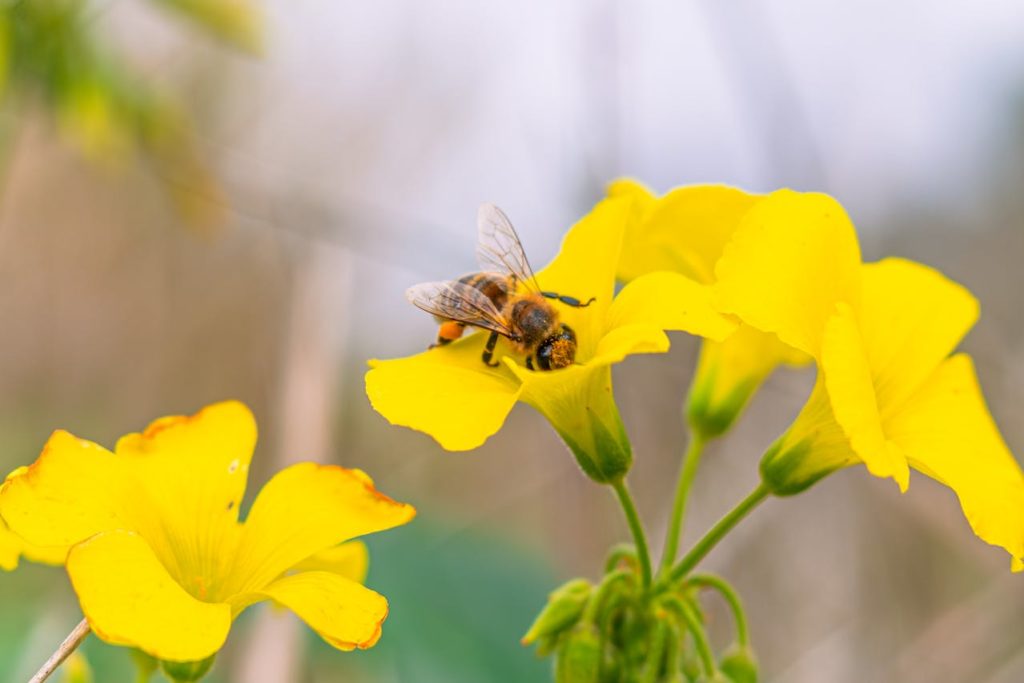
(912, 318)
(793, 258)
(847, 373)
(633, 189)
(52, 555)
(621, 342)
(303, 510)
(684, 231)
(344, 613)
(74, 490)
(447, 393)
(728, 374)
(130, 599)
(947, 433)
(10, 549)
(191, 471)
(201, 461)
(671, 302)
(350, 560)
(585, 267)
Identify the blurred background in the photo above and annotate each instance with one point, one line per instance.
(195, 208)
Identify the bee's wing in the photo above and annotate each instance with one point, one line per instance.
(498, 248)
(458, 301)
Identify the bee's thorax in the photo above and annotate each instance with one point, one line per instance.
(533, 320)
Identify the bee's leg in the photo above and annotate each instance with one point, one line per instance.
(529, 362)
(489, 350)
(450, 331)
(568, 300)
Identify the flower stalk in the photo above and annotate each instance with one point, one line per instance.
(700, 639)
(716, 583)
(637, 529)
(717, 533)
(691, 460)
(70, 644)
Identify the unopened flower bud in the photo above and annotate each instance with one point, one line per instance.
(739, 664)
(564, 607)
(579, 659)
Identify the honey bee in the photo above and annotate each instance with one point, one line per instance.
(503, 298)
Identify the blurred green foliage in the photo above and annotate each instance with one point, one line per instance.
(51, 54)
(460, 601)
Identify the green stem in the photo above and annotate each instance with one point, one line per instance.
(633, 518)
(619, 554)
(687, 472)
(726, 591)
(717, 533)
(656, 655)
(700, 640)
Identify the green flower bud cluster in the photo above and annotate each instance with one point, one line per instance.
(617, 631)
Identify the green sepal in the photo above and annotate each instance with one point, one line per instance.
(563, 609)
(739, 664)
(607, 457)
(710, 418)
(187, 671)
(788, 469)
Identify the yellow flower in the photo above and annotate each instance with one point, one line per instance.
(888, 392)
(450, 394)
(158, 556)
(686, 231)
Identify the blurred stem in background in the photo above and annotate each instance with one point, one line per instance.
(51, 55)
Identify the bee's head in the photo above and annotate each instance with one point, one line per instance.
(557, 351)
